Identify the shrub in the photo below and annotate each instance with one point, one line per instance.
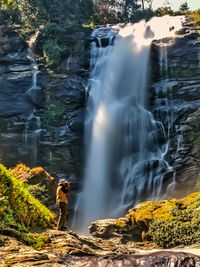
(37, 240)
(120, 223)
(169, 223)
(52, 53)
(53, 113)
(170, 234)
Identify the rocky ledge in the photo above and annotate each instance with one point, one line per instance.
(167, 223)
(138, 239)
(69, 249)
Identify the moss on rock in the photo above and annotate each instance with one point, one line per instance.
(38, 182)
(167, 223)
(191, 131)
(170, 223)
(20, 212)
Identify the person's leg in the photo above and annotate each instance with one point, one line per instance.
(62, 215)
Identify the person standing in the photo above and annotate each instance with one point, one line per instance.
(61, 199)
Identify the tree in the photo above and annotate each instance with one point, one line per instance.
(184, 7)
(149, 2)
(113, 11)
(161, 11)
(143, 5)
(30, 12)
(106, 11)
(10, 7)
(128, 9)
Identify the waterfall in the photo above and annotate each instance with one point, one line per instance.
(32, 125)
(125, 144)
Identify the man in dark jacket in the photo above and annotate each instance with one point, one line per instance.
(62, 202)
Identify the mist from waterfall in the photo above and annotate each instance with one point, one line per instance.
(125, 144)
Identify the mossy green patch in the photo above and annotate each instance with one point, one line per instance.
(53, 114)
(169, 223)
(191, 134)
(196, 16)
(120, 223)
(38, 241)
(20, 212)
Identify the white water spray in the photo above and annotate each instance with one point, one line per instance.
(125, 144)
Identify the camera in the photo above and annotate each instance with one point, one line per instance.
(67, 184)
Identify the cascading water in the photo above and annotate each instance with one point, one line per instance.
(125, 144)
(32, 127)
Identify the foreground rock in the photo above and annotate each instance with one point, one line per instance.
(41, 184)
(68, 249)
(166, 223)
(168, 259)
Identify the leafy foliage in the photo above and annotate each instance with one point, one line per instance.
(31, 13)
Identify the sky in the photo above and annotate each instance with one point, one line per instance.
(175, 4)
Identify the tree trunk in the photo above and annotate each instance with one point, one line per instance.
(143, 5)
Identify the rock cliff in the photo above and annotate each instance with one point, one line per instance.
(42, 112)
(175, 101)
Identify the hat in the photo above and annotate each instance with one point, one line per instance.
(62, 181)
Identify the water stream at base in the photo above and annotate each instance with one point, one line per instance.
(125, 144)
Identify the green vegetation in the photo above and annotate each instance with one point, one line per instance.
(113, 11)
(30, 13)
(38, 182)
(184, 7)
(120, 223)
(57, 20)
(20, 212)
(40, 192)
(197, 185)
(196, 16)
(58, 41)
(38, 241)
(169, 223)
(191, 133)
(53, 113)
(52, 53)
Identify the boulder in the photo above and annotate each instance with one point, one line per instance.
(37, 176)
(163, 222)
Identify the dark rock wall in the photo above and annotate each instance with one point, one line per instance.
(43, 125)
(182, 89)
(19, 104)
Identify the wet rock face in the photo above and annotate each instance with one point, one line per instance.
(42, 114)
(19, 100)
(177, 92)
(24, 90)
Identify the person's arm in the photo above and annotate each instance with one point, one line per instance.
(59, 193)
